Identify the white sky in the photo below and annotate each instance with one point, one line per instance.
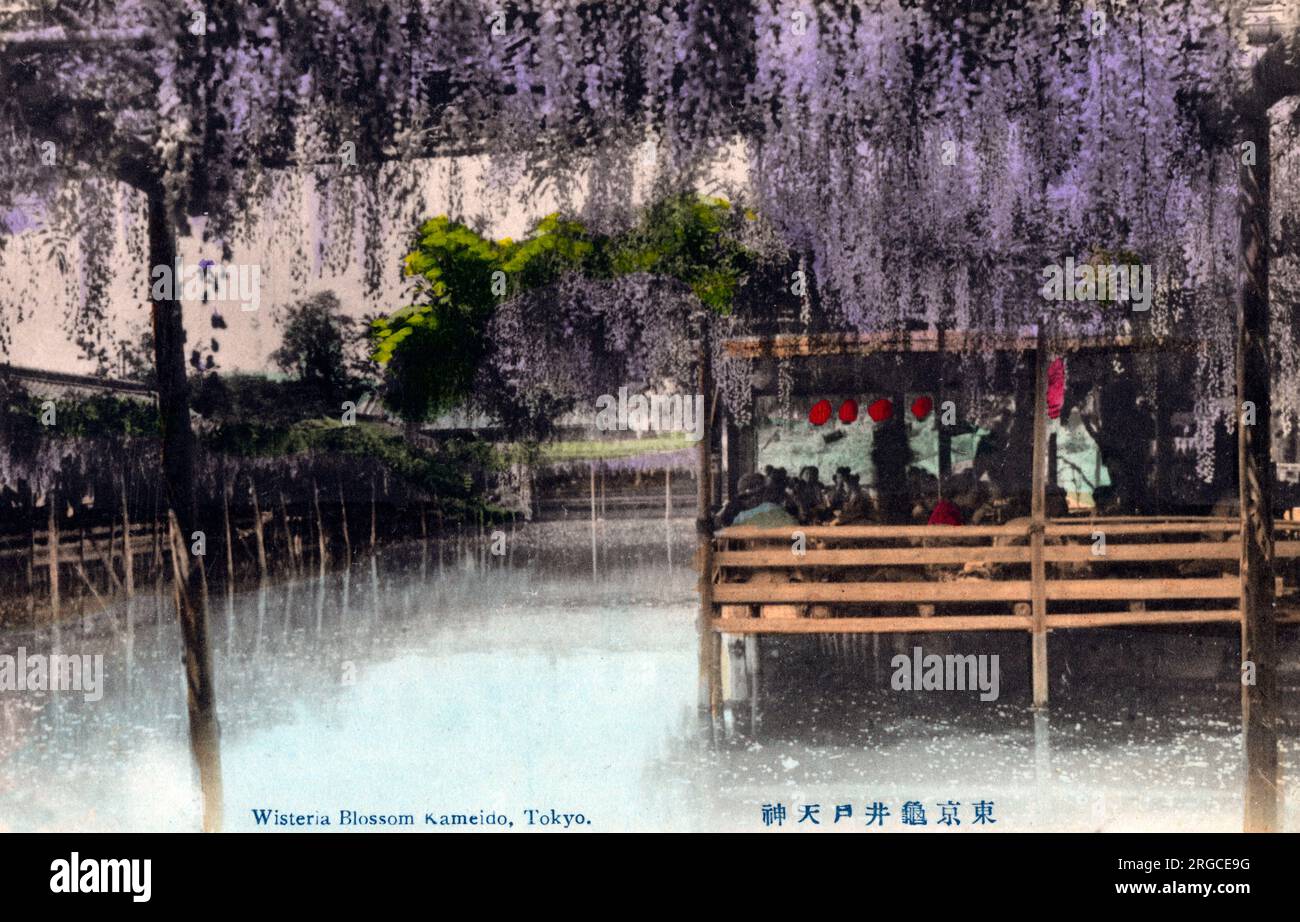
(45, 340)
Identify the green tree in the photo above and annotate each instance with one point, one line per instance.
(432, 352)
(315, 350)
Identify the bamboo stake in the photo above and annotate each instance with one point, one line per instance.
(343, 512)
(128, 552)
(257, 529)
(52, 540)
(320, 524)
(230, 544)
(291, 546)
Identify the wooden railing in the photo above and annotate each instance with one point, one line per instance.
(878, 578)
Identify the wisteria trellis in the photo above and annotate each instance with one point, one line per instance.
(925, 163)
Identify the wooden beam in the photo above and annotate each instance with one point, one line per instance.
(877, 557)
(939, 532)
(1121, 590)
(871, 625)
(1139, 618)
(812, 345)
(969, 590)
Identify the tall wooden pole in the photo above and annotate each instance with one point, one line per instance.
(1255, 481)
(178, 475)
(710, 650)
(1038, 510)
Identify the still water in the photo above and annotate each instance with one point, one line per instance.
(445, 681)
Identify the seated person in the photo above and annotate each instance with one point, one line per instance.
(749, 494)
(857, 506)
(810, 496)
(751, 505)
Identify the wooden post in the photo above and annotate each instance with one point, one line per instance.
(668, 493)
(710, 664)
(1255, 482)
(230, 541)
(320, 525)
(178, 476)
(1038, 507)
(290, 543)
(128, 552)
(343, 513)
(257, 529)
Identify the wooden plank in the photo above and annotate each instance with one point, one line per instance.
(872, 625)
(1289, 549)
(786, 533)
(1055, 530)
(1074, 590)
(808, 345)
(1129, 618)
(973, 590)
(1196, 550)
(875, 557)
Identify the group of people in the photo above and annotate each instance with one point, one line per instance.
(772, 498)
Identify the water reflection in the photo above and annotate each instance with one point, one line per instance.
(437, 678)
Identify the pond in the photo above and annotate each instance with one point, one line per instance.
(451, 685)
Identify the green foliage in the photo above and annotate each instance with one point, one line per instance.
(684, 237)
(98, 416)
(433, 349)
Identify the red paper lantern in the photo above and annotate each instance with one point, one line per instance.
(820, 413)
(1055, 388)
(880, 410)
(849, 411)
(921, 407)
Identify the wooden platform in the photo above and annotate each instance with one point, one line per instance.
(1093, 573)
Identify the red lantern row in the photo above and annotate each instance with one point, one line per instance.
(879, 410)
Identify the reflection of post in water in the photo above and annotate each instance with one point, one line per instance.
(374, 587)
(740, 683)
(1042, 756)
(346, 604)
(593, 520)
(230, 622)
(261, 616)
(320, 601)
(130, 643)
